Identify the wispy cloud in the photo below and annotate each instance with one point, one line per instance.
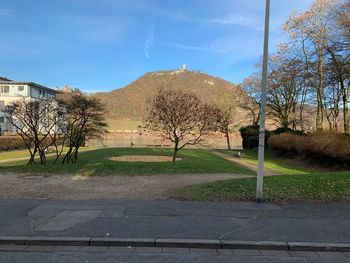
(191, 47)
(230, 19)
(234, 19)
(11, 50)
(149, 40)
(6, 12)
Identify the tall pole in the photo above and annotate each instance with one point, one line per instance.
(261, 149)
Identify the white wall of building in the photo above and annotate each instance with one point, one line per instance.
(11, 92)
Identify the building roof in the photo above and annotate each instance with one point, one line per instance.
(32, 84)
(4, 79)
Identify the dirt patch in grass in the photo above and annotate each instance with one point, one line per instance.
(143, 158)
(78, 187)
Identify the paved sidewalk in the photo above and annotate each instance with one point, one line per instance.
(295, 222)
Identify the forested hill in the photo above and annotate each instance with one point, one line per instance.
(129, 102)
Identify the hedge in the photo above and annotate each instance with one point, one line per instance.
(9, 143)
(320, 147)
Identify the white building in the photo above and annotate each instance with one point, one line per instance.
(11, 91)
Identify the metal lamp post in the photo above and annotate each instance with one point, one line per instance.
(261, 149)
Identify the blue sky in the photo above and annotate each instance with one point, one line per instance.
(105, 44)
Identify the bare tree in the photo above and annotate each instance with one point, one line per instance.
(180, 117)
(84, 118)
(251, 103)
(311, 29)
(338, 48)
(286, 87)
(224, 117)
(34, 122)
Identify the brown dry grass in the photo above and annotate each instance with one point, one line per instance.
(321, 147)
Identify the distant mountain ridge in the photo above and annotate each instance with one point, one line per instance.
(130, 102)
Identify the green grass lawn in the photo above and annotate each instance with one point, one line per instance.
(293, 184)
(13, 154)
(24, 153)
(280, 165)
(96, 162)
(333, 186)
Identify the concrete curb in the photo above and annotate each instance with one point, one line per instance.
(174, 243)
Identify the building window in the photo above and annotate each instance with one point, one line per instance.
(2, 119)
(5, 89)
(20, 88)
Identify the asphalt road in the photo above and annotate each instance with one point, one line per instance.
(157, 255)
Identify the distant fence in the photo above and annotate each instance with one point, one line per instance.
(137, 139)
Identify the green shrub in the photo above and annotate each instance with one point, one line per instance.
(9, 143)
(250, 136)
(319, 147)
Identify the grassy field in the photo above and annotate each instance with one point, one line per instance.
(282, 166)
(293, 184)
(96, 162)
(24, 153)
(13, 154)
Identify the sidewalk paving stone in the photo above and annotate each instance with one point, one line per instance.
(330, 255)
(148, 249)
(94, 249)
(305, 254)
(68, 248)
(203, 251)
(121, 249)
(247, 252)
(275, 253)
(180, 250)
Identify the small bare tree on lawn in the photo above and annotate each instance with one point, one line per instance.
(84, 117)
(181, 117)
(223, 120)
(34, 122)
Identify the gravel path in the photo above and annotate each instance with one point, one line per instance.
(251, 166)
(103, 187)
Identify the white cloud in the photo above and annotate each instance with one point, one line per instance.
(234, 19)
(6, 12)
(149, 40)
(7, 49)
(191, 47)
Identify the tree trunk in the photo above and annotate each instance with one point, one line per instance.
(319, 117)
(32, 157)
(75, 156)
(67, 156)
(175, 151)
(228, 140)
(346, 109)
(319, 91)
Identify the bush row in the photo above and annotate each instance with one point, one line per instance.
(250, 135)
(320, 147)
(9, 143)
